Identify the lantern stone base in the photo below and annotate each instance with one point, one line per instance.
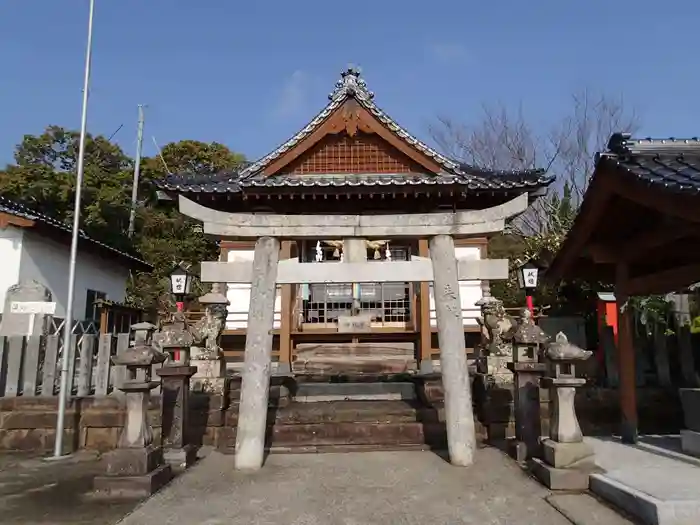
(690, 442)
(568, 455)
(560, 478)
(180, 458)
(134, 472)
(565, 466)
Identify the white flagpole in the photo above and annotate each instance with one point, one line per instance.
(68, 323)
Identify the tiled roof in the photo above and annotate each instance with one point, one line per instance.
(670, 164)
(477, 181)
(19, 210)
(352, 86)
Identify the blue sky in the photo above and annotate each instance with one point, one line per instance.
(249, 74)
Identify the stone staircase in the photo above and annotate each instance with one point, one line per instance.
(347, 415)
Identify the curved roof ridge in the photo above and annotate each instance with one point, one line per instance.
(351, 85)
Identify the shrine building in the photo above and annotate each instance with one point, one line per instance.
(354, 159)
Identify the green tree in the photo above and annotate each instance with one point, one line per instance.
(164, 236)
(43, 177)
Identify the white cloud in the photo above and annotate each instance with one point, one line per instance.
(448, 53)
(292, 97)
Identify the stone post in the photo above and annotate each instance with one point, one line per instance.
(174, 336)
(459, 412)
(527, 372)
(207, 356)
(567, 460)
(255, 384)
(136, 467)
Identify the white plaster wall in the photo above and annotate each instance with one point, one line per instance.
(10, 258)
(469, 291)
(47, 261)
(238, 295)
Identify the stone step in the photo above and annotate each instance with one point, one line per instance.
(584, 509)
(433, 435)
(356, 411)
(306, 351)
(316, 392)
(316, 434)
(346, 412)
(354, 365)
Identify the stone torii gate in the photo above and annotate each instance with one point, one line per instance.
(266, 271)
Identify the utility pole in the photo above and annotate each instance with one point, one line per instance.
(137, 171)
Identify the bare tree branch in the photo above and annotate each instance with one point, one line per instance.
(504, 140)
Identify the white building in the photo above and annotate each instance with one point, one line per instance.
(36, 247)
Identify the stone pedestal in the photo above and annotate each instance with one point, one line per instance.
(567, 461)
(207, 356)
(135, 469)
(179, 452)
(210, 377)
(690, 436)
(526, 401)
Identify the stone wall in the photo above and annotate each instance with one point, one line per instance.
(29, 423)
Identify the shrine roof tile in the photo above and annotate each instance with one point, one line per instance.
(351, 85)
(670, 164)
(17, 209)
(479, 180)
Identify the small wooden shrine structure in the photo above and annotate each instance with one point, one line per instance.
(636, 229)
(387, 209)
(352, 158)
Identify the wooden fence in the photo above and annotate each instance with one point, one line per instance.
(31, 366)
(666, 358)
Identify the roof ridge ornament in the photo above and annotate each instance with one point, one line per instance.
(350, 84)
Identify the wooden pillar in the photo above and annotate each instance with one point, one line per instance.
(425, 344)
(255, 386)
(459, 412)
(286, 312)
(626, 358)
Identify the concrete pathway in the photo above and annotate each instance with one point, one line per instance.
(387, 488)
(651, 480)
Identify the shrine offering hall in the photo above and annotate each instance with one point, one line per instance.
(352, 159)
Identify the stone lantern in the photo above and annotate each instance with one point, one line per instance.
(206, 354)
(527, 341)
(136, 467)
(567, 460)
(175, 339)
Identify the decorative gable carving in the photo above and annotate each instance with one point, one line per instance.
(356, 152)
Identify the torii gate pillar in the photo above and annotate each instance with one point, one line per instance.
(459, 414)
(255, 384)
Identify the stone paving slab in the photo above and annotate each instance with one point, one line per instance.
(584, 509)
(658, 485)
(387, 488)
